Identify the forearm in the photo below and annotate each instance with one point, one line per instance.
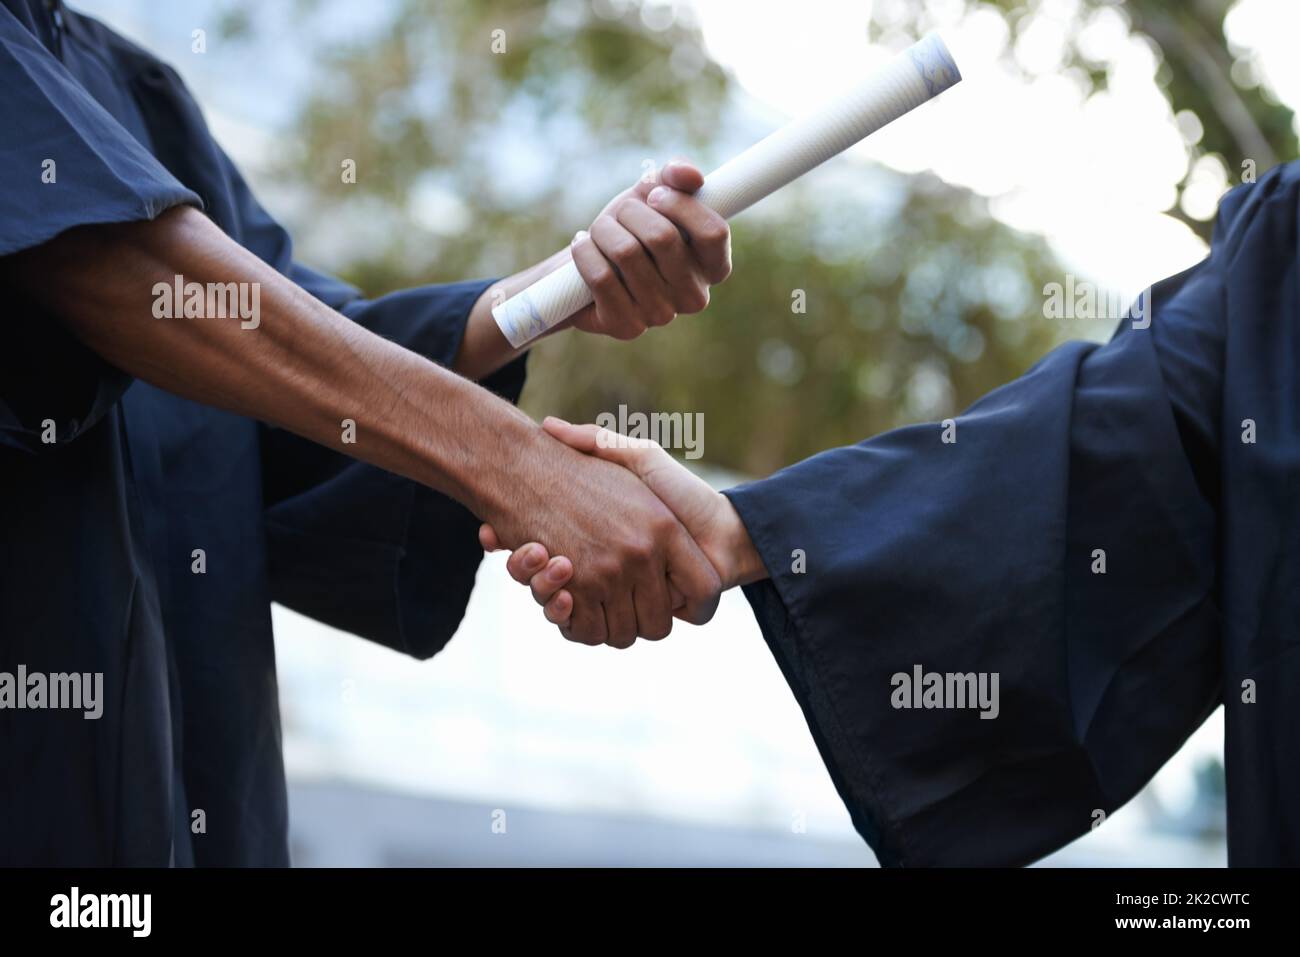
(303, 367)
(483, 349)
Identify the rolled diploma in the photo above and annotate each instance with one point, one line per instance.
(919, 73)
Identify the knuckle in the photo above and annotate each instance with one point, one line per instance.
(659, 631)
(662, 237)
(714, 232)
(695, 299)
(606, 570)
(629, 329)
(661, 317)
(602, 278)
(652, 552)
(643, 551)
(693, 616)
(585, 633)
(663, 524)
(624, 251)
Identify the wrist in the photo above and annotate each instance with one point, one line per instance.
(731, 550)
(452, 435)
(509, 473)
(483, 347)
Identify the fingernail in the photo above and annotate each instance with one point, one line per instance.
(556, 573)
(657, 196)
(579, 236)
(534, 557)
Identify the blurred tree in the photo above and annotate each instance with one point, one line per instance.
(483, 133)
(1240, 123)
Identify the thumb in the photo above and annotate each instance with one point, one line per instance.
(579, 437)
(681, 175)
(487, 537)
(634, 455)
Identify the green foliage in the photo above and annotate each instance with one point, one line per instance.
(917, 302)
(910, 312)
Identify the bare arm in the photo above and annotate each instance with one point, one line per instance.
(307, 368)
(304, 367)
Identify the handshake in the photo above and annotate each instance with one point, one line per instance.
(665, 546)
(614, 537)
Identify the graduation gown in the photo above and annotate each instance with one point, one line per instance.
(101, 526)
(1115, 535)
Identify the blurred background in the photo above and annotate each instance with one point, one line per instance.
(1090, 142)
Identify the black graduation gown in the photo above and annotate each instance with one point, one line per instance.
(99, 528)
(1173, 453)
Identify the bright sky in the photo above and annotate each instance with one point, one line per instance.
(1093, 176)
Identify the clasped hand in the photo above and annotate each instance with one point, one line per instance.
(631, 531)
(713, 531)
(653, 252)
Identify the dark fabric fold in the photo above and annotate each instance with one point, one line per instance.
(1173, 454)
(146, 543)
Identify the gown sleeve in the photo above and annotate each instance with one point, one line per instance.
(1062, 540)
(66, 163)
